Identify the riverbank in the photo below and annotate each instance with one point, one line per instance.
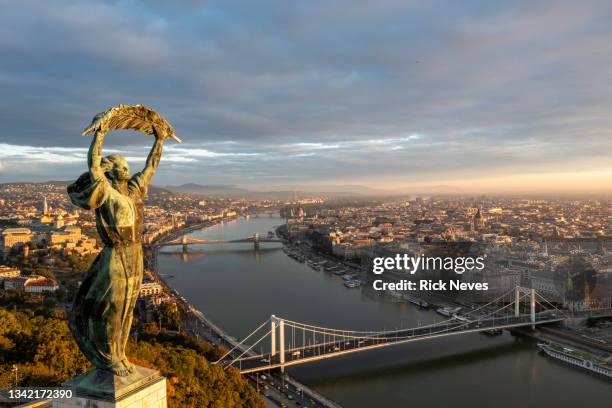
(238, 288)
(566, 336)
(281, 389)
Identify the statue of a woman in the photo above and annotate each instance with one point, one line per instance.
(102, 312)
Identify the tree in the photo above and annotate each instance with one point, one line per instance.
(46, 355)
(44, 272)
(168, 316)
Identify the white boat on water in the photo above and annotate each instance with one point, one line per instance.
(448, 311)
(352, 283)
(415, 301)
(462, 318)
(583, 360)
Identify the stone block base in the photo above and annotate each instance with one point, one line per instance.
(144, 388)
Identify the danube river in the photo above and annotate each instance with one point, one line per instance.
(238, 288)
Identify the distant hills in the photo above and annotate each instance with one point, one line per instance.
(64, 183)
(274, 192)
(215, 190)
(285, 192)
(348, 189)
(277, 192)
(231, 191)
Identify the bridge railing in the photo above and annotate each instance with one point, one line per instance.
(312, 338)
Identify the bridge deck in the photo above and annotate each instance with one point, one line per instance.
(218, 241)
(317, 352)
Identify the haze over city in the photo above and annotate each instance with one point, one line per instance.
(397, 96)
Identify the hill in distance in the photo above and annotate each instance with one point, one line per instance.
(231, 191)
(64, 183)
(279, 192)
(215, 190)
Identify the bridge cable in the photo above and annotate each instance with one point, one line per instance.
(553, 306)
(327, 329)
(247, 350)
(378, 338)
(243, 340)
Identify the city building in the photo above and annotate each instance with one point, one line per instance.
(67, 234)
(150, 289)
(15, 236)
(7, 272)
(31, 284)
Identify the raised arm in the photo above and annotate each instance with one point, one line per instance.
(153, 159)
(94, 158)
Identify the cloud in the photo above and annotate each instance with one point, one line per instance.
(198, 152)
(16, 153)
(313, 91)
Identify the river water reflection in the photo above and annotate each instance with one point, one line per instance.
(238, 288)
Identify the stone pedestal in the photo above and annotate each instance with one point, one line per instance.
(144, 388)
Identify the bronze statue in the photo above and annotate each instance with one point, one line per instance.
(102, 311)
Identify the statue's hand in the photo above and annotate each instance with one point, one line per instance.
(159, 133)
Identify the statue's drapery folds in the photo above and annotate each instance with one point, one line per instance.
(102, 312)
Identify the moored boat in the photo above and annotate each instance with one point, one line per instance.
(448, 311)
(580, 359)
(352, 283)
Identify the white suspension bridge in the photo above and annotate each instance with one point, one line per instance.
(292, 343)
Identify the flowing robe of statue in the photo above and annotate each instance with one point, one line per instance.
(102, 312)
(101, 317)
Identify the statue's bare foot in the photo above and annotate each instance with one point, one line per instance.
(120, 370)
(128, 366)
(123, 368)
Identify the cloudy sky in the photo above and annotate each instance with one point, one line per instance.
(398, 95)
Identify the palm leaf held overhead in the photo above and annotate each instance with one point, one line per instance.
(137, 117)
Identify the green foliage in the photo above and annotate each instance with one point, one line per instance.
(30, 303)
(74, 262)
(192, 382)
(44, 272)
(168, 316)
(41, 346)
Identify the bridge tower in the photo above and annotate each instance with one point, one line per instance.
(256, 241)
(533, 308)
(273, 320)
(517, 304)
(532, 303)
(280, 323)
(281, 328)
(184, 242)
